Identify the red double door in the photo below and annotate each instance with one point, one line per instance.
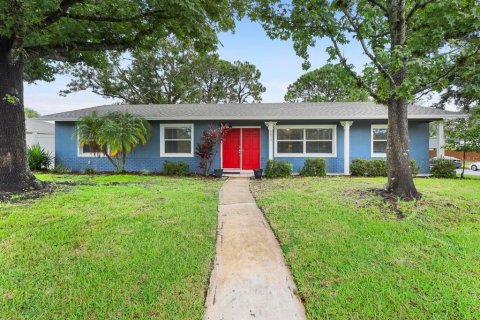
(241, 149)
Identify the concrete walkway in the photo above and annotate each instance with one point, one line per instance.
(250, 279)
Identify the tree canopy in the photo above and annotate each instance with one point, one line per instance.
(38, 37)
(412, 47)
(329, 83)
(170, 73)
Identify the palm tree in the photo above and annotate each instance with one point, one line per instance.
(115, 135)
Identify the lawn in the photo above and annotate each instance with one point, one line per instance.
(113, 247)
(353, 258)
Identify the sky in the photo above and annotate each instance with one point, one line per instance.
(276, 60)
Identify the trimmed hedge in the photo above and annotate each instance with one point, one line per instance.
(443, 168)
(172, 168)
(278, 169)
(316, 167)
(375, 168)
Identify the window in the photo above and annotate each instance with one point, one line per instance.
(379, 140)
(302, 141)
(84, 150)
(176, 140)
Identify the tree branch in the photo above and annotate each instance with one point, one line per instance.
(418, 5)
(379, 5)
(369, 54)
(460, 61)
(115, 19)
(56, 15)
(357, 78)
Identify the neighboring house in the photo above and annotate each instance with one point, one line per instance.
(41, 132)
(338, 132)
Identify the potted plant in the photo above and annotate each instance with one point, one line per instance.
(207, 148)
(258, 173)
(217, 173)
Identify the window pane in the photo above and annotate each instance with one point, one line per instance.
(319, 147)
(380, 134)
(290, 134)
(290, 147)
(379, 146)
(178, 147)
(178, 133)
(87, 149)
(319, 134)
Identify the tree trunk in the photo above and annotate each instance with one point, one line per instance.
(15, 175)
(463, 170)
(400, 178)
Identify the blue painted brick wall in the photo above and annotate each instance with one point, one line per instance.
(147, 157)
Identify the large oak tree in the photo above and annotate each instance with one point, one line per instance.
(37, 35)
(412, 46)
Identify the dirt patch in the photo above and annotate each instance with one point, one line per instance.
(15, 197)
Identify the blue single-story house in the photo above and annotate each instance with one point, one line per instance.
(337, 132)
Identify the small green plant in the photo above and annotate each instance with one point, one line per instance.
(172, 168)
(278, 169)
(89, 169)
(415, 168)
(316, 167)
(38, 158)
(60, 169)
(443, 168)
(12, 100)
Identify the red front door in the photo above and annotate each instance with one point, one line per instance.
(231, 149)
(250, 148)
(241, 149)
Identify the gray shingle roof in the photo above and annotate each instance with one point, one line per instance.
(39, 126)
(258, 111)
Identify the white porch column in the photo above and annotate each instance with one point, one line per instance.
(346, 146)
(270, 126)
(441, 140)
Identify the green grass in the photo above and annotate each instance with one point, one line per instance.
(127, 247)
(352, 258)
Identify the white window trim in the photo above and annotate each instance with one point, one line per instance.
(162, 140)
(82, 154)
(373, 154)
(305, 154)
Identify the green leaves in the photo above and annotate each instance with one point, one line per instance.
(410, 61)
(70, 30)
(464, 134)
(114, 135)
(171, 72)
(329, 83)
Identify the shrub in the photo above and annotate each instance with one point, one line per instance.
(375, 168)
(90, 170)
(172, 168)
(277, 169)
(38, 158)
(207, 148)
(443, 168)
(60, 168)
(369, 168)
(314, 168)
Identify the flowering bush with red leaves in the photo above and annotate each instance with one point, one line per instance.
(206, 150)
